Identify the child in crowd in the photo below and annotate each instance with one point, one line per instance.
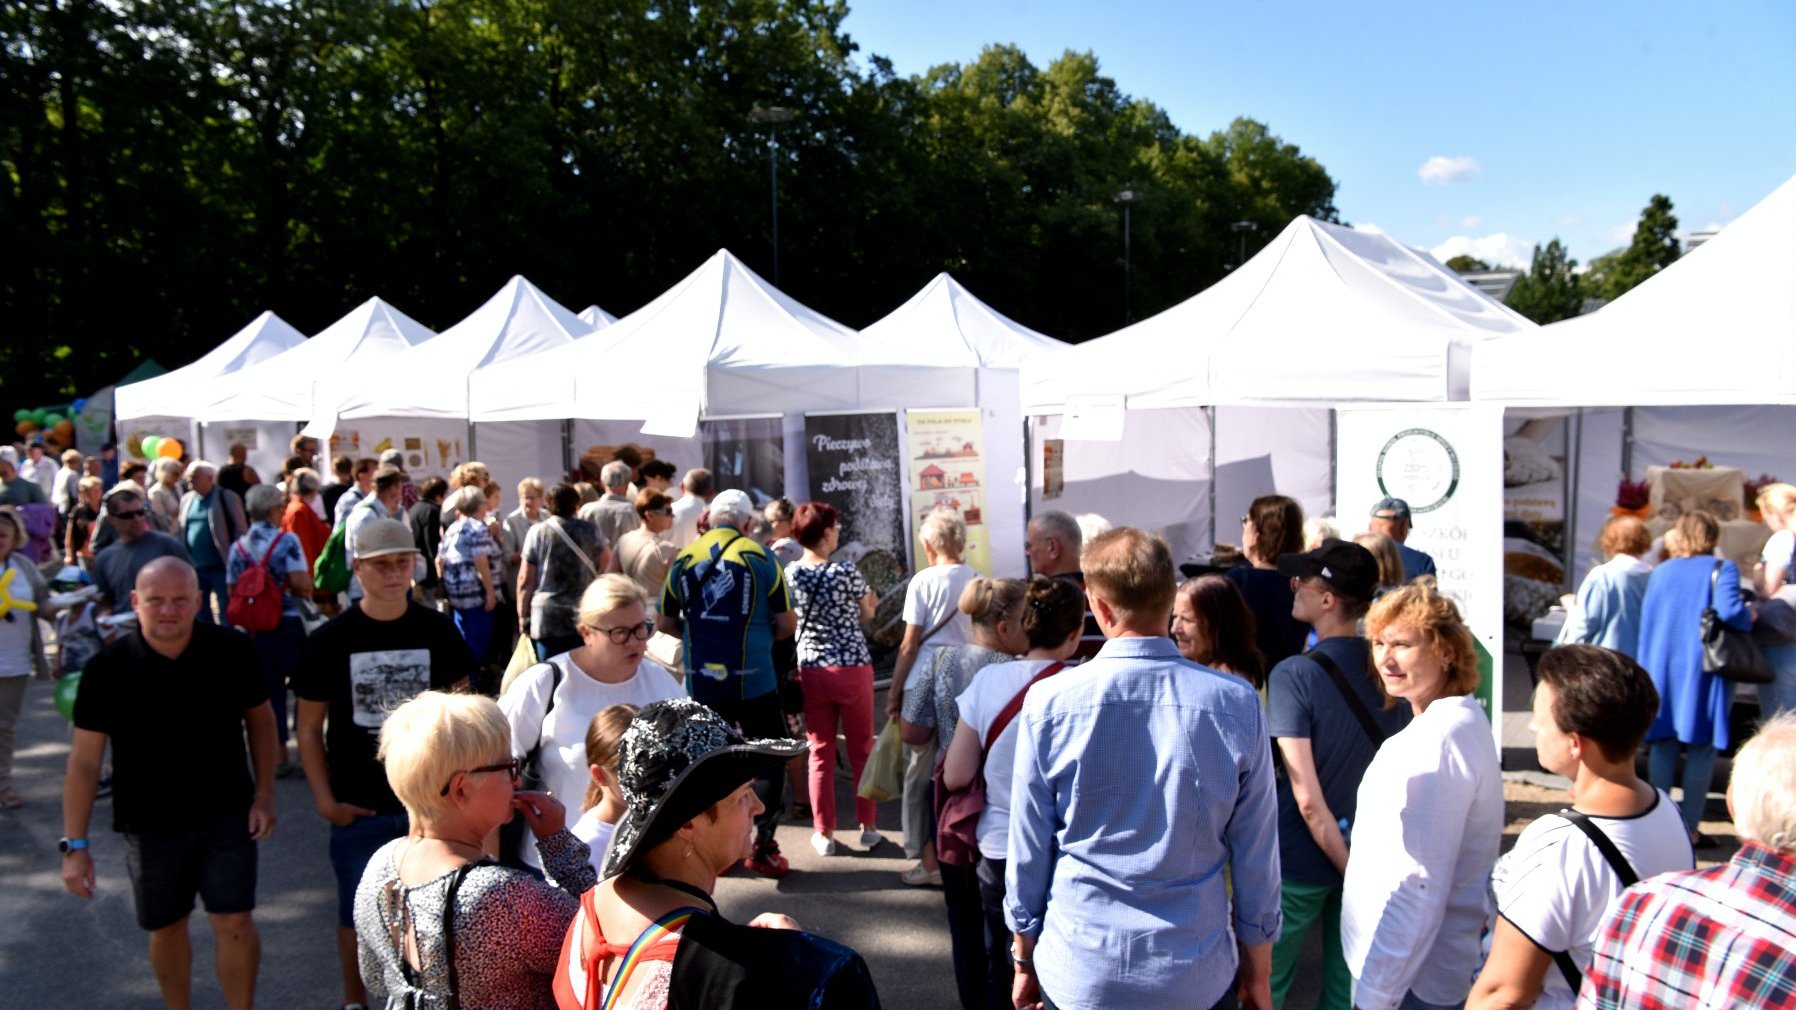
(604, 804)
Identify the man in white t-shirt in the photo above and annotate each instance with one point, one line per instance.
(1555, 887)
(688, 508)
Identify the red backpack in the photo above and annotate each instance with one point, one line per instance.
(255, 603)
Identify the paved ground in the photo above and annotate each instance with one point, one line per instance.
(57, 951)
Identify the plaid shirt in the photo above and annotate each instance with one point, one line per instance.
(1714, 938)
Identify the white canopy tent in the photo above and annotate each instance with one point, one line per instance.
(417, 400)
(596, 317)
(1323, 315)
(946, 324)
(262, 405)
(164, 405)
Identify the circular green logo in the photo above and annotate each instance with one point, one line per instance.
(1420, 467)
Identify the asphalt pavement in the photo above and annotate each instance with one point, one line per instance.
(60, 951)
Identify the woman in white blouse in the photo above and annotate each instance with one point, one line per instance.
(1430, 815)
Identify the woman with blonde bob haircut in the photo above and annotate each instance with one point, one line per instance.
(438, 922)
(1430, 814)
(551, 705)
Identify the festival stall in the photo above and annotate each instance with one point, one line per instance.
(417, 400)
(260, 407)
(1679, 394)
(163, 406)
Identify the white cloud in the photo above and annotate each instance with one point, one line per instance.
(1441, 170)
(1470, 221)
(1369, 228)
(1499, 249)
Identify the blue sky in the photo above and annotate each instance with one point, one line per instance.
(1452, 127)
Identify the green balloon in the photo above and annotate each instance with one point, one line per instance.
(52, 420)
(21, 415)
(38, 415)
(65, 694)
(150, 444)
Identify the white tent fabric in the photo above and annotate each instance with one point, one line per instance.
(596, 317)
(280, 389)
(1713, 328)
(720, 342)
(1323, 314)
(432, 380)
(173, 394)
(945, 323)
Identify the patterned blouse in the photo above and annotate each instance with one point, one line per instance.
(508, 929)
(465, 541)
(828, 601)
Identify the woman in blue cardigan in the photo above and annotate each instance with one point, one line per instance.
(1693, 705)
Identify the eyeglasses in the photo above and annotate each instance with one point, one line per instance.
(514, 766)
(624, 632)
(139, 514)
(1246, 519)
(661, 512)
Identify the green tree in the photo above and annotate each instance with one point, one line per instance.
(1467, 264)
(1655, 246)
(1551, 290)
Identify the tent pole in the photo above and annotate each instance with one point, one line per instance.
(1211, 467)
(1627, 443)
(1334, 465)
(567, 446)
(473, 453)
(1572, 474)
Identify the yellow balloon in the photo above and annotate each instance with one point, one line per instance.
(169, 448)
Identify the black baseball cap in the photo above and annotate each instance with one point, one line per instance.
(1391, 508)
(1348, 568)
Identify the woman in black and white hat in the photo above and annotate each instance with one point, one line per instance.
(651, 928)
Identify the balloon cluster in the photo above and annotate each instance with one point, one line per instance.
(55, 425)
(153, 446)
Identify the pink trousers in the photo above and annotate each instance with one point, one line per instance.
(837, 695)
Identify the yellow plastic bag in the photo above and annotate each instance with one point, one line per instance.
(522, 658)
(883, 778)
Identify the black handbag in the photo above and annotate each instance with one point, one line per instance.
(1729, 653)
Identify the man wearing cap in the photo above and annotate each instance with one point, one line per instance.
(1143, 860)
(1391, 517)
(14, 489)
(379, 653)
(726, 597)
(133, 546)
(177, 701)
(1325, 746)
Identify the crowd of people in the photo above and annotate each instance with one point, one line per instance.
(1129, 791)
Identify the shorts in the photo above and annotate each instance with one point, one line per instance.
(352, 846)
(216, 861)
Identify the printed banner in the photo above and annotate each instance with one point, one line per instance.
(853, 463)
(1053, 468)
(1446, 461)
(947, 470)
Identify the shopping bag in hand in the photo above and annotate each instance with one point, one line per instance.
(883, 778)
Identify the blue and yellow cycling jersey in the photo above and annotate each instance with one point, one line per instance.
(727, 590)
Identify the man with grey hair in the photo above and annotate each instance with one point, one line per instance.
(726, 597)
(408, 492)
(14, 489)
(614, 513)
(1721, 936)
(134, 544)
(688, 508)
(1052, 543)
(210, 519)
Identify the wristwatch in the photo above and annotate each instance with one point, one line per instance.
(68, 845)
(1019, 960)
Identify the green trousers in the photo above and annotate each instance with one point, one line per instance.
(1302, 904)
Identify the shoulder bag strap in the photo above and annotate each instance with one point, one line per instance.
(1714, 580)
(953, 612)
(1354, 702)
(811, 605)
(556, 526)
(1617, 862)
(533, 760)
(626, 966)
(1008, 713)
(449, 932)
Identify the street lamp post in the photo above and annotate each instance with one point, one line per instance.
(773, 117)
(1127, 198)
(1241, 228)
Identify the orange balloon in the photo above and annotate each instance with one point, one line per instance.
(169, 449)
(25, 428)
(65, 431)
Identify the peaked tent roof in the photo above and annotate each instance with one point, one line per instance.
(1716, 327)
(596, 317)
(1323, 314)
(173, 394)
(517, 322)
(945, 323)
(281, 388)
(721, 341)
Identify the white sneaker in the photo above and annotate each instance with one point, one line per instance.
(825, 845)
(870, 839)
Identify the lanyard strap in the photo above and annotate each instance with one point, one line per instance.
(672, 922)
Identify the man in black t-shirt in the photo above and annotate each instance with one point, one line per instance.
(377, 655)
(176, 701)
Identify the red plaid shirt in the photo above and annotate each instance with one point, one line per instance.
(1714, 938)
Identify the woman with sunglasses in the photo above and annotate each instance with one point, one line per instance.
(438, 922)
(551, 704)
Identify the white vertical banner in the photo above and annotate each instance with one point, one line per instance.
(1446, 461)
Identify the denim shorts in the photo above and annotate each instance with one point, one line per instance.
(216, 861)
(352, 846)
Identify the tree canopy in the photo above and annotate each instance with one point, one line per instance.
(1655, 246)
(169, 168)
(1551, 290)
(1465, 263)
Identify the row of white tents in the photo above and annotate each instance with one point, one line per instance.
(1187, 414)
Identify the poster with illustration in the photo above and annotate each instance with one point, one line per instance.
(947, 471)
(854, 466)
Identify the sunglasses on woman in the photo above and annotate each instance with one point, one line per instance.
(514, 766)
